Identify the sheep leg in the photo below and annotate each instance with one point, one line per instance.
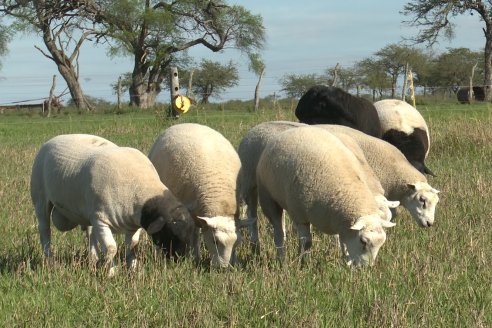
(43, 212)
(251, 201)
(305, 239)
(108, 244)
(274, 214)
(131, 240)
(93, 249)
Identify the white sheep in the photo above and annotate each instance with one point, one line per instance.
(86, 180)
(318, 181)
(200, 166)
(401, 181)
(404, 127)
(250, 149)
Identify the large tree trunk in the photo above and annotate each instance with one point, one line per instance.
(74, 87)
(142, 95)
(63, 62)
(146, 79)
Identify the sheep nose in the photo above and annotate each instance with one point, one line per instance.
(429, 224)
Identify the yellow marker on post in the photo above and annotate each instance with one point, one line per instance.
(181, 104)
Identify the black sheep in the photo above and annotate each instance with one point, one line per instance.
(323, 104)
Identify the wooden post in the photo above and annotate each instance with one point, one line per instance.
(470, 92)
(412, 89)
(50, 99)
(405, 80)
(174, 89)
(189, 91)
(118, 93)
(335, 75)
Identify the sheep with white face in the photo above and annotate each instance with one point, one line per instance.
(250, 149)
(201, 167)
(400, 179)
(318, 181)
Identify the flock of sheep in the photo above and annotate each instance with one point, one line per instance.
(335, 177)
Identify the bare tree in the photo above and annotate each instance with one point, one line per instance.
(63, 31)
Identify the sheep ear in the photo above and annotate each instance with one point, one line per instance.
(156, 226)
(412, 186)
(387, 224)
(435, 191)
(203, 221)
(393, 204)
(358, 226)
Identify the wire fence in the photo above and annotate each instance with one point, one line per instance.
(34, 89)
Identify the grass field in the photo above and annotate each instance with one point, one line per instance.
(436, 277)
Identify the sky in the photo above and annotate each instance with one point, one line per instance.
(302, 37)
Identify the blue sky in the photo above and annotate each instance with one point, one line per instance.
(303, 37)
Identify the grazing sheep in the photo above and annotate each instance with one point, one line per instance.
(400, 180)
(85, 180)
(250, 149)
(310, 173)
(201, 168)
(323, 104)
(405, 128)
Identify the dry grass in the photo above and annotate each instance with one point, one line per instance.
(437, 277)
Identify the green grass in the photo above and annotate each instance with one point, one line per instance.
(437, 277)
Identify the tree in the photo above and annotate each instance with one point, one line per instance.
(346, 77)
(154, 33)
(373, 76)
(58, 23)
(257, 66)
(295, 85)
(452, 69)
(421, 63)
(4, 40)
(393, 59)
(211, 78)
(434, 17)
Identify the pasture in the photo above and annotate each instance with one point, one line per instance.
(436, 277)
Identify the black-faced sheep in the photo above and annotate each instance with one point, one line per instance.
(405, 128)
(323, 104)
(86, 180)
(318, 181)
(201, 167)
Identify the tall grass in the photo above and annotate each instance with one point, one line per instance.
(438, 277)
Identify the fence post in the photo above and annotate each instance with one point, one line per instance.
(174, 90)
(50, 99)
(118, 92)
(405, 80)
(470, 92)
(412, 89)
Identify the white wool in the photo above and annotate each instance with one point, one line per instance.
(399, 115)
(90, 181)
(313, 176)
(200, 166)
(395, 174)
